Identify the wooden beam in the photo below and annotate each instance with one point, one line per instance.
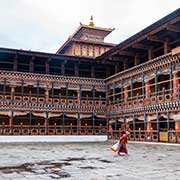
(126, 53)
(173, 28)
(140, 46)
(155, 39)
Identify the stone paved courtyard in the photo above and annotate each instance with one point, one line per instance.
(88, 161)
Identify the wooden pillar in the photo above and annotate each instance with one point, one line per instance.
(46, 122)
(4, 87)
(92, 71)
(22, 88)
(47, 66)
(175, 85)
(31, 65)
(67, 93)
(76, 70)
(149, 126)
(156, 81)
(117, 68)
(168, 119)
(114, 87)
(37, 91)
(147, 89)
(94, 94)
(30, 118)
(52, 92)
(15, 63)
(108, 71)
(78, 121)
(171, 78)
(177, 125)
(145, 121)
(47, 95)
(12, 92)
(125, 94)
(125, 64)
(150, 54)
(63, 68)
(11, 119)
(131, 88)
(136, 60)
(157, 115)
(79, 95)
(166, 46)
(143, 86)
(122, 95)
(93, 120)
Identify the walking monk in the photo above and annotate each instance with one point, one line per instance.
(123, 141)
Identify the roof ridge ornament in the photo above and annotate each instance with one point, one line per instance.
(91, 23)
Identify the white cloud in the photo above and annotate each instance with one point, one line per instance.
(43, 25)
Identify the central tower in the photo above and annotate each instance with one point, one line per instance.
(87, 40)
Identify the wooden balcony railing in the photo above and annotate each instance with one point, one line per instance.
(52, 130)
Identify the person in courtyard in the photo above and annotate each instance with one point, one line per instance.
(123, 141)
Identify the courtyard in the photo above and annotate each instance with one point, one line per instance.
(88, 161)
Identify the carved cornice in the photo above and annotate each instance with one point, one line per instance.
(60, 80)
(149, 66)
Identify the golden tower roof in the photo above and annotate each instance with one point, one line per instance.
(91, 23)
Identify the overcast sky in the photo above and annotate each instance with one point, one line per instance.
(44, 25)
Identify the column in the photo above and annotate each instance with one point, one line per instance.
(12, 92)
(11, 119)
(136, 60)
(30, 118)
(114, 86)
(149, 126)
(93, 120)
(122, 96)
(177, 125)
(31, 65)
(107, 71)
(156, 81)
(79, 95)
(47, 66)
(147, 89)
(157, 115)
(117, 67)
(52, 92)
(168, 119)
(22, 89)
(66, 93)
(125, 65)
(47, 95)
(131, 88)
(76, 70)
(143, 93)
(15, 63)
(46, 123)
(171, 78)
(4, 88)
(63, 68)
(145, 121)
(175, 85)
(125, 94)
(37, 91)
(92, 71)
(166, 46)
(93, 93)
(150, 54)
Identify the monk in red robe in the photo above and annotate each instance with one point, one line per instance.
(123, 141)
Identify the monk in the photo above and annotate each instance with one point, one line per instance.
(123, 141)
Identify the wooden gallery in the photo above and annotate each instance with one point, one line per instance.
(90, 87)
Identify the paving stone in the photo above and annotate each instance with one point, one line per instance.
(88, 161)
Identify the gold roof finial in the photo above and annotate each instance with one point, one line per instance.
(91, 23)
